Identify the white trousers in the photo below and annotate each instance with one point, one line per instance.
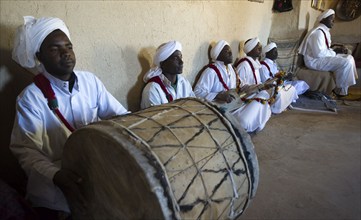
(342, 65)
(286, 95)
(254, 115)
(300, 86)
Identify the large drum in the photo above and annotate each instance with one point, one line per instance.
(183, 160)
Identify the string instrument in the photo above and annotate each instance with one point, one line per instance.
(240, 95)
(264, 86)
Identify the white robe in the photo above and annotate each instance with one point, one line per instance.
(38, 136)
(300, 85)
(153, 94)
(252, 116)
(285, 95)
(318, 56)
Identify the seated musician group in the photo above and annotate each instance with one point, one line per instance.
(164, 82)
(62, 99)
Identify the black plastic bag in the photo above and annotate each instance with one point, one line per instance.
(282, 5)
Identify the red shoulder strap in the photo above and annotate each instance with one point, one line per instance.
(44, 85)
(157, 79)
(219, 76)
(324, 34)
(250, 63)
(269, 69)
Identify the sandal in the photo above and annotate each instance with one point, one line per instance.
(338, 95)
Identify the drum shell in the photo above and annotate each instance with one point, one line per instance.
(131, 168)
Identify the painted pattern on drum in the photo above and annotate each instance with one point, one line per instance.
(177, 133)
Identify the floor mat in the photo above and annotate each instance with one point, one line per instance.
(324, 104)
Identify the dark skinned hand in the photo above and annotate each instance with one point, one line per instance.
(249, 88)
(268, 84)
(340, 50)
(69, 183)
(224, 97)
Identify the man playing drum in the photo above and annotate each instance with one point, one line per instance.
(218, 78)
(47, 111)
(164, 82)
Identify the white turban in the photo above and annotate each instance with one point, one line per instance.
(268, 47)
(250, 45)
(165, 51)
(31, 35)
(216, 49)
(325, 14)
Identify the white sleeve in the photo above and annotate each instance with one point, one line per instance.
(242, 73)
(27, 141)
(319, 46)
(264, 73)
(151, 96)
(189, 89)
(108, 105)
(204, 87)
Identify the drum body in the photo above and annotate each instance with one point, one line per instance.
(182, 160)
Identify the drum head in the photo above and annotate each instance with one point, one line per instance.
(115, 185)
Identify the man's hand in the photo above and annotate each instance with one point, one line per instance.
(341, 50)
(249, 89)
(224, 97)
(69, 183)
(269, 86)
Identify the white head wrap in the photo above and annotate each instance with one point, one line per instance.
(325, 14)
(165, 51)
(31, 35)
(250, 45)
(217, 48)
(268, 47)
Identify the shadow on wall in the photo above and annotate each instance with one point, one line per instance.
(199, 54)
(135, 93)
(240, 52)
(13, 79)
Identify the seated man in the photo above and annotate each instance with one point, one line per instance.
(269, 69)
(318, 55)
(164, 82)
(218, 78)
(61, 100)
(248, 69)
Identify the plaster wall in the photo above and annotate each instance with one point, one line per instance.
(117, 39)
(342, 31)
